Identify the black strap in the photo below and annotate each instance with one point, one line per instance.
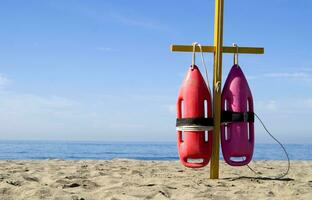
(226, 117)
(198, 121)
(229, 116)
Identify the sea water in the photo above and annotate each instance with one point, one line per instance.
(81, 150)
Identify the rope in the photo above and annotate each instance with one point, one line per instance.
(235, 59)
(282, 146)
(194, 54)
(203, 61)
(205, 66)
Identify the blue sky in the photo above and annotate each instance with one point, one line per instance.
(102, 70)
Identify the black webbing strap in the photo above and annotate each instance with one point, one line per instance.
(229, 116)
(226, 117)
(198, 121)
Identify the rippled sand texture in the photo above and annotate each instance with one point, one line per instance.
(132, 179)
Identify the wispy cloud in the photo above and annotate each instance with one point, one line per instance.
(304, 76)
(4, 81)
(308, 103)
(105, 49)
(288, 75)
(171, 109)
(125, 125)
(288, 106)
(38, 116)
(136, 22)
(268, 105)
(31, 103)
(111, 14)
(305, 69)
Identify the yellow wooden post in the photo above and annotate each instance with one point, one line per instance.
(217, 73)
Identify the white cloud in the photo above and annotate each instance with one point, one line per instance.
(288, 75)
(142, 23)
(30, 106)
(32, 116)
(306, 69)
(4, 81)
(106, 117)
(105, 49)
(110, 15)
(286, 119)
(285, 106)
(308, 103)
(126, 125)
(147, 97)
(301, 76)
(171, 109)
(268, 105)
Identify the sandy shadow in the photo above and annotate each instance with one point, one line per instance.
(259, 178)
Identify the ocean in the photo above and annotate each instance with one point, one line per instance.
(91, 150)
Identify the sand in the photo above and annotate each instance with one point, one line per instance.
(132, 179)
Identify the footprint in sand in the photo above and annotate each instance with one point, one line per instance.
(14, 182)
(5, 191)
(43, 193)
(31, 178)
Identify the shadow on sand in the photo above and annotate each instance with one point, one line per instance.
(259, 178)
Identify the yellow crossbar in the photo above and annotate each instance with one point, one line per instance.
(225, 49)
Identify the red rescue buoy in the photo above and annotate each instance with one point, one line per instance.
(237, 136)
(194, 137)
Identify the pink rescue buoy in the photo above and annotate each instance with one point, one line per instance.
(237, 137)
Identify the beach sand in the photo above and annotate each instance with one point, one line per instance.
(132, 179)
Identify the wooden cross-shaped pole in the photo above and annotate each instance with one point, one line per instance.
(217, 49)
